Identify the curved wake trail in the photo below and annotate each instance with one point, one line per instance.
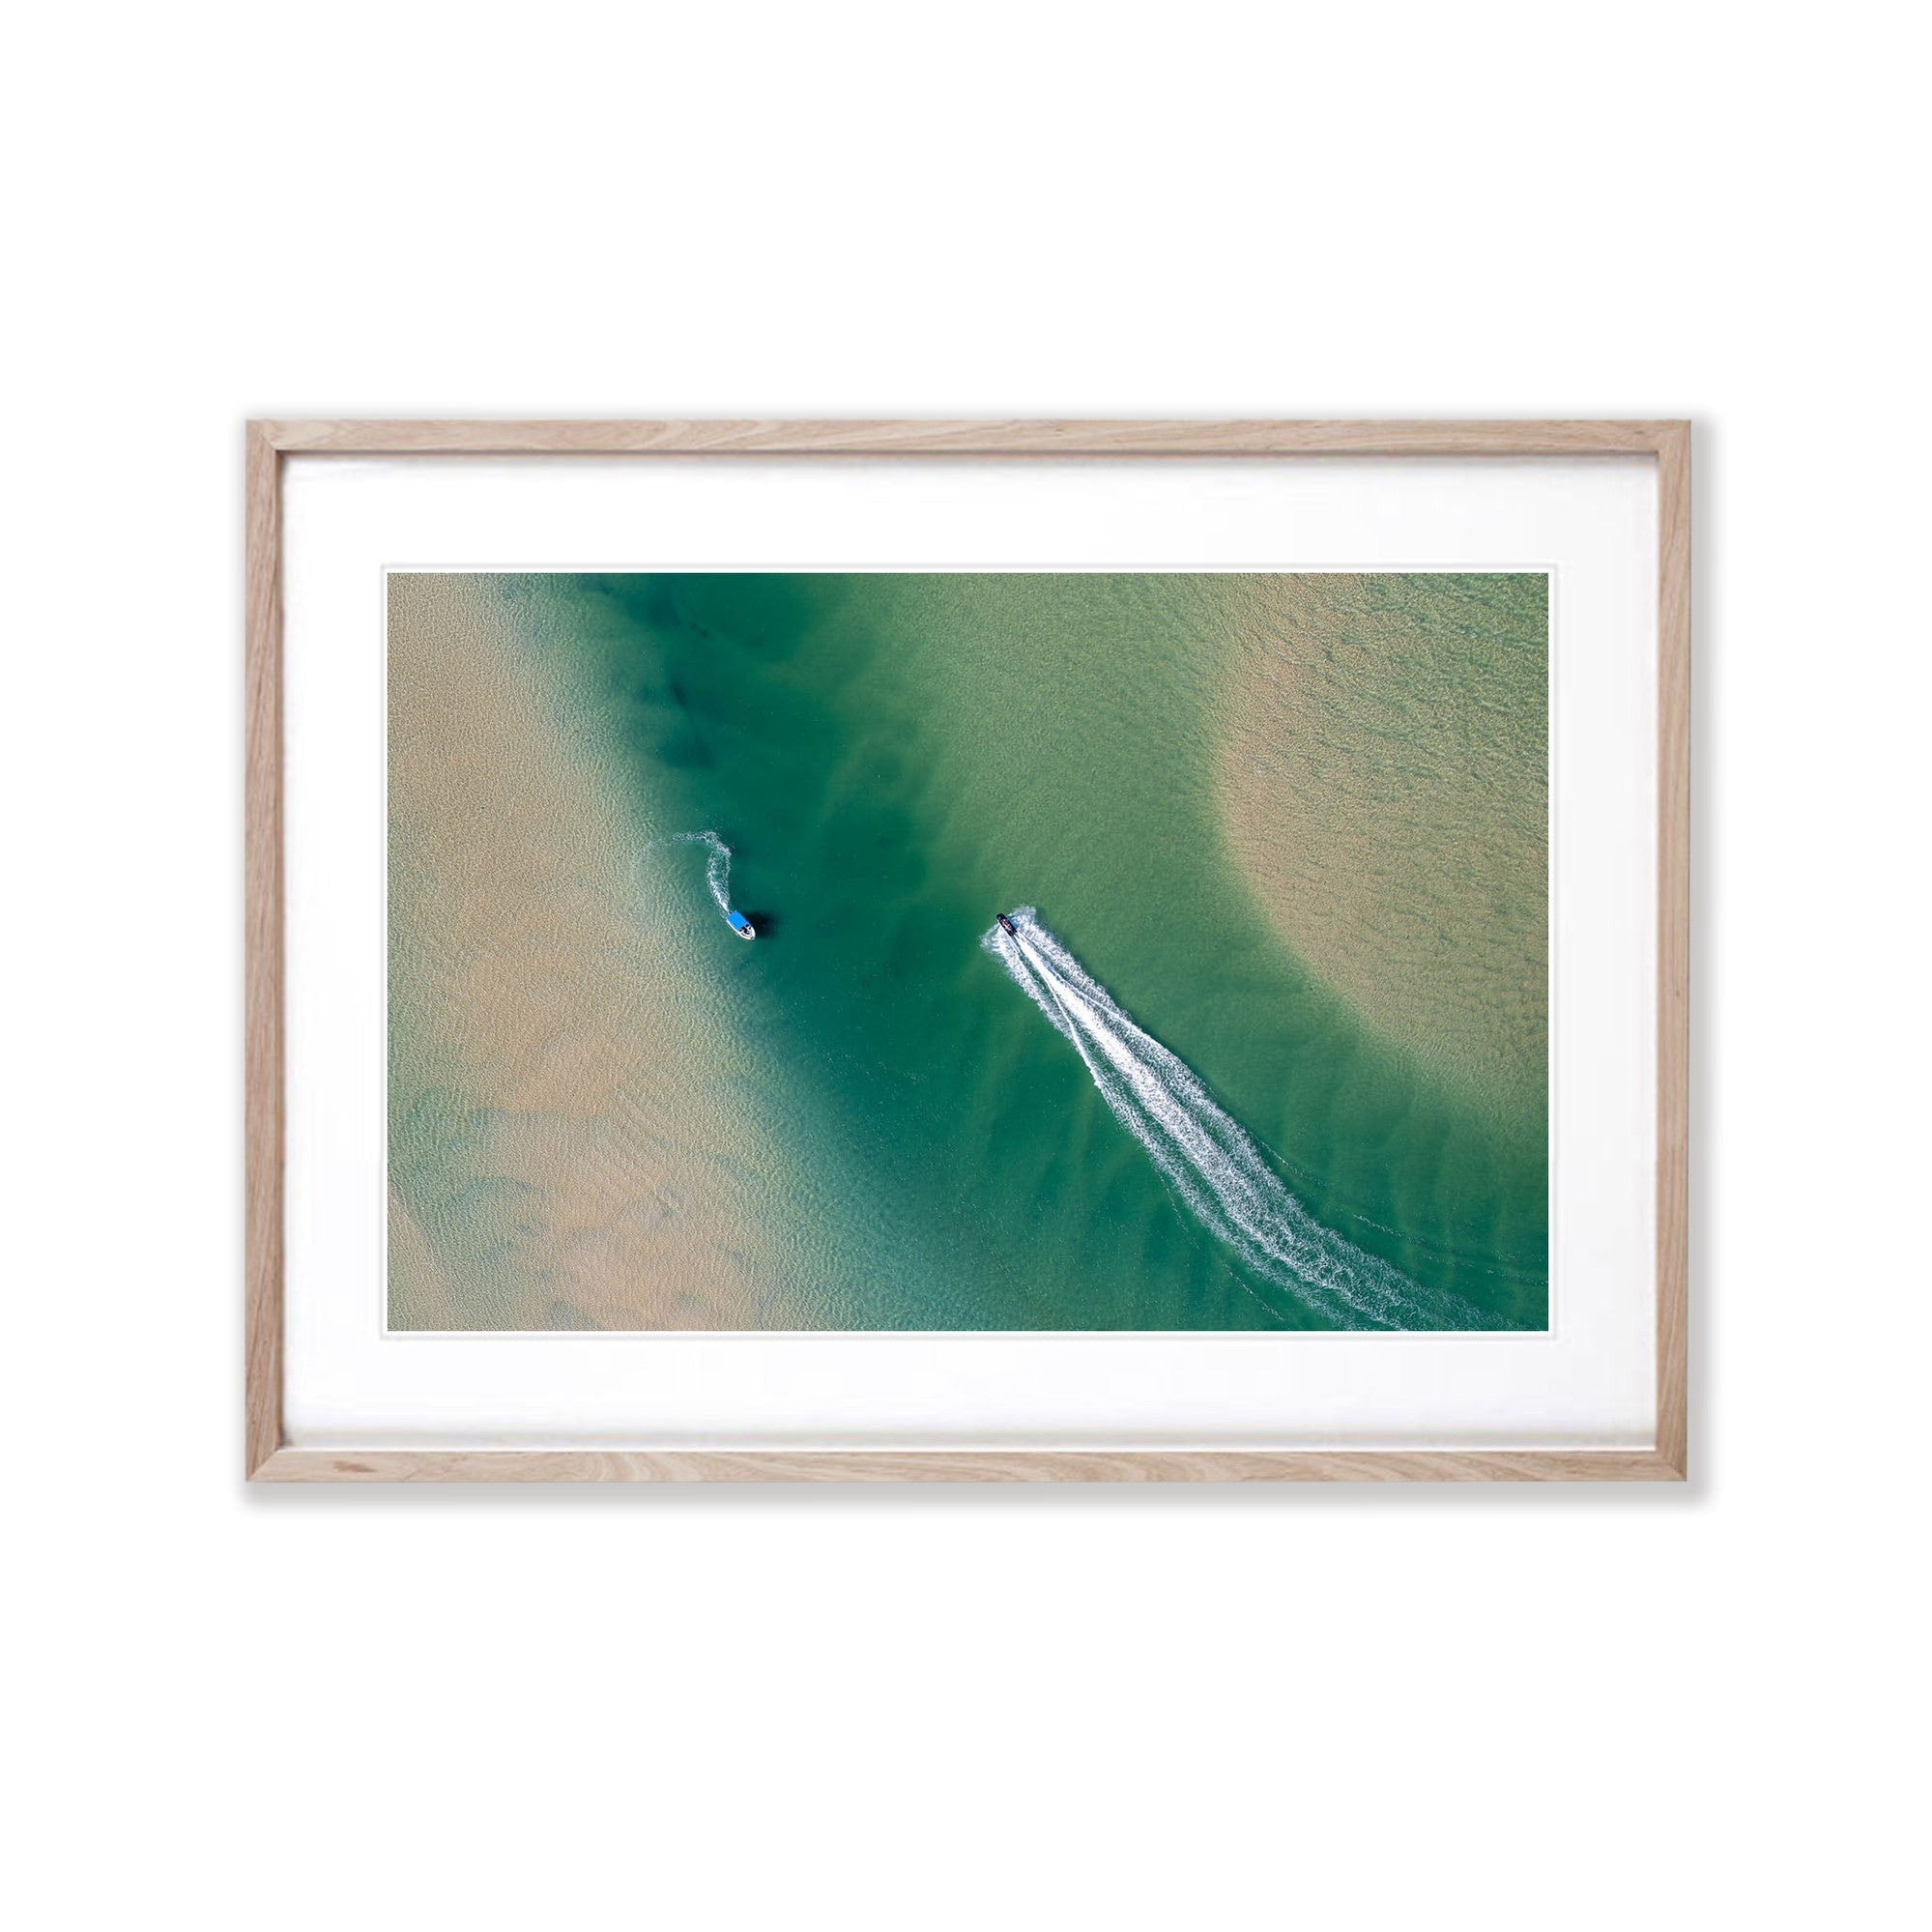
(717, 867)
(1208, 1159)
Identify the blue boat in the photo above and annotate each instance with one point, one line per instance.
(739, 924)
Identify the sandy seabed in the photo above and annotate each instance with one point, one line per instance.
(564, 1151)
(1384, 788)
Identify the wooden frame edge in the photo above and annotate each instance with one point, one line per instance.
(267, 1458)
(964, 1465)
(943, 436)
(1673, 946)
(262, 859)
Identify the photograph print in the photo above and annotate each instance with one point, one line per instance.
(968, 951)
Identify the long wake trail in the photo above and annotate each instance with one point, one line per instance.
(1208, 1159)
(717, 865)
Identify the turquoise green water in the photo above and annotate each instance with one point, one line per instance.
(894, 757)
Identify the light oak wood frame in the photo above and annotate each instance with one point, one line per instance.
(270, 1459)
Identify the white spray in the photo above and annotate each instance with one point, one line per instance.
(1204, 1155)
(717, 867)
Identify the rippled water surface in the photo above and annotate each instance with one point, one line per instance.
(1194, 1093)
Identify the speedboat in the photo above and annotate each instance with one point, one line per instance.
(1012, 931)
(739, 924)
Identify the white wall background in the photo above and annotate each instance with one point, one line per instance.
(1332, 1709)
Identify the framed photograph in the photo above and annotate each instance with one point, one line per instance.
(966, 951)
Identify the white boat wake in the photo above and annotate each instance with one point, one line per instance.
(1206, 1158)
(717, 867)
